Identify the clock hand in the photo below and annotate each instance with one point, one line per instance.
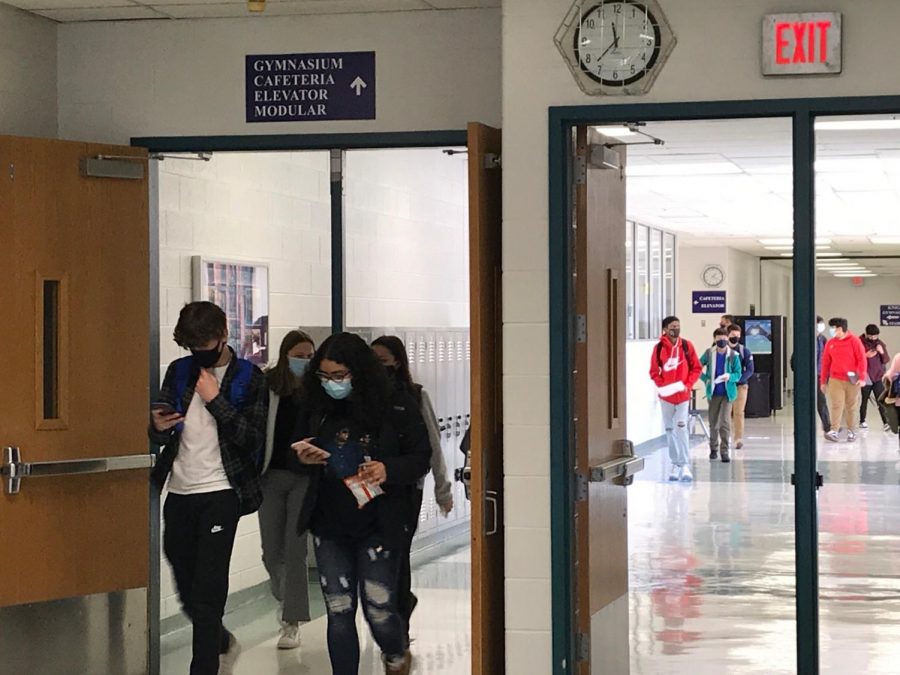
(606, 51)
(615, 36)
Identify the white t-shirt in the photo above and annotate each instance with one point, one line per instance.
(198, 466)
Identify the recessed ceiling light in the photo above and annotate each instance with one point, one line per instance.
(885, 240)
(856, 125)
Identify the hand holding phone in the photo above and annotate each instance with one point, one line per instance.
(164, 416)
(308, 453)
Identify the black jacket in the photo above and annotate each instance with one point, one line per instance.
(241, 433)
(402, 446)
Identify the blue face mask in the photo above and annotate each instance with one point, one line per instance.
(297, 365)
(338, 390)
(832, 331)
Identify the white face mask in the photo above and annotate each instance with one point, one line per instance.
(820, 327)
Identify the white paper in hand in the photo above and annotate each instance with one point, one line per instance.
(671, 389)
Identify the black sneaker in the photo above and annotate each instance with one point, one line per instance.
(726, 458)
(714, 454)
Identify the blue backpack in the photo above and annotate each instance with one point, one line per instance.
(236, 394)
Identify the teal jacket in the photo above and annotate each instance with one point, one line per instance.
(732, 367)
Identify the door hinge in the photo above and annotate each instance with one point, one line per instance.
(12, 171)
(581, 328)
(582, 647)
(580, 170)
(492, 161)
(581, 487)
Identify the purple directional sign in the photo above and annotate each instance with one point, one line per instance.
(310, 87)
(890, 315)
(708, 302)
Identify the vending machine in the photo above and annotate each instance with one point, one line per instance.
(766, 338)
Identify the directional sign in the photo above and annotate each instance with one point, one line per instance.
(310, 87)
(890, 315)
(708, 302)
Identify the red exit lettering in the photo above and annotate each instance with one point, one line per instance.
(799, 42)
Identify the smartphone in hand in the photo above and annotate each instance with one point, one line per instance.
(163, 408)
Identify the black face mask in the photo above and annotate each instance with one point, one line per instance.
(674, 333)
(734, 340)
(207, 358)
(721, 343)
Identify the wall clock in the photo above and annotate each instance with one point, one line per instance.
(615, 46)
(713, 276)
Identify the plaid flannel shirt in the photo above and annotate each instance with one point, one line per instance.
(242, 433)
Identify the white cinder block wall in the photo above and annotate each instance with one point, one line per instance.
(406, 220)
(28, 103)
(535, 77)
(264, 207)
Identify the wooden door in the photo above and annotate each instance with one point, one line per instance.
(485, 256)
(75, 303)
(601, 527)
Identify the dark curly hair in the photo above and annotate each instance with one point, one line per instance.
(198, 323)
(402, 376)
(370, 398)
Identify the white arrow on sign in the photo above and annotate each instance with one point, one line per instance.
(358, 84)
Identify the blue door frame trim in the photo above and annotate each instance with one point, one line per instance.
(802, 112)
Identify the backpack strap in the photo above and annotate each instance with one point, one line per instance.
(659, 355)
(237, 393)
(183, 368)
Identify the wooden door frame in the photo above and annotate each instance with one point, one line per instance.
(562, 121)
(256, 143)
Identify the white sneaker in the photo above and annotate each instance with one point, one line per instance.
(832, 436)
(886, 428)
(851, 436)
(864, 425)
(675, 473)
(229, 658)
(290, 636)
(686, 475)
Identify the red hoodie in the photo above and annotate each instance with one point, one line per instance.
(842, 356)
(685, 367)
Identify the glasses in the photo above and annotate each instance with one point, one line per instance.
(339, 376)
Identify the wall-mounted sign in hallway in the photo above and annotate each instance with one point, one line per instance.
(708, 302)
(890, 315)
(801, 44)
(310, 87)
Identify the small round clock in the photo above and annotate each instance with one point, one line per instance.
(618, 42)
(713, 276)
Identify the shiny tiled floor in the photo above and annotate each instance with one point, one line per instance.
(712, 564)
(712, 572)
(441, 627)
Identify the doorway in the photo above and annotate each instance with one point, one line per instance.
(371, 237)
(799, 277)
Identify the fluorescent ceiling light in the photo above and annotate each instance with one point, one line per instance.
(850, 275)
(788, 241)
(684, 170)
(619, 131)
(833, 254)
(856, 125)
(787, 255)
(779, 248)
(885, 240)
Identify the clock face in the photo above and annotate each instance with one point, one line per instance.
(713, 276)
(618, 42)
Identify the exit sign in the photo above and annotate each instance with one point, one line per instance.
(801, 44)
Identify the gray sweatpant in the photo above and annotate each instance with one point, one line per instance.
(719, 423)
(284, 551)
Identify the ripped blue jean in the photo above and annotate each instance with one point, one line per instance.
(350, 570)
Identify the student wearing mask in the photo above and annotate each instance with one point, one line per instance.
(369, 446)
(285, 482)
(726, 320)
(721, 373)
(843, 377)
(675, 369)
(212, 433)
(391, 352)
(876, 362)
(743, 385)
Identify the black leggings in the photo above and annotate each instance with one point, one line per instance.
(876, 388)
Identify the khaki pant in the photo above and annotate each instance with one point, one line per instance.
(843, 401)
(737, 411)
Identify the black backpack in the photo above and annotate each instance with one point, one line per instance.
(687, 354)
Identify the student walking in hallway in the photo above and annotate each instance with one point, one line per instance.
(210, 418)
(722, 371)
(843, 376)
(877, 358)
(743, 385)
(285, 482)
(675, 369)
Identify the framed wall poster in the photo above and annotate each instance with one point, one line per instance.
(241, 289)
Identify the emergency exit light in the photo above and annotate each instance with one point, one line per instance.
(801, 44)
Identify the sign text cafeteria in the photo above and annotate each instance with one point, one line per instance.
(310, 87)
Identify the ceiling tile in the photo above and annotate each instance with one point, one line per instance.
(100, 14)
